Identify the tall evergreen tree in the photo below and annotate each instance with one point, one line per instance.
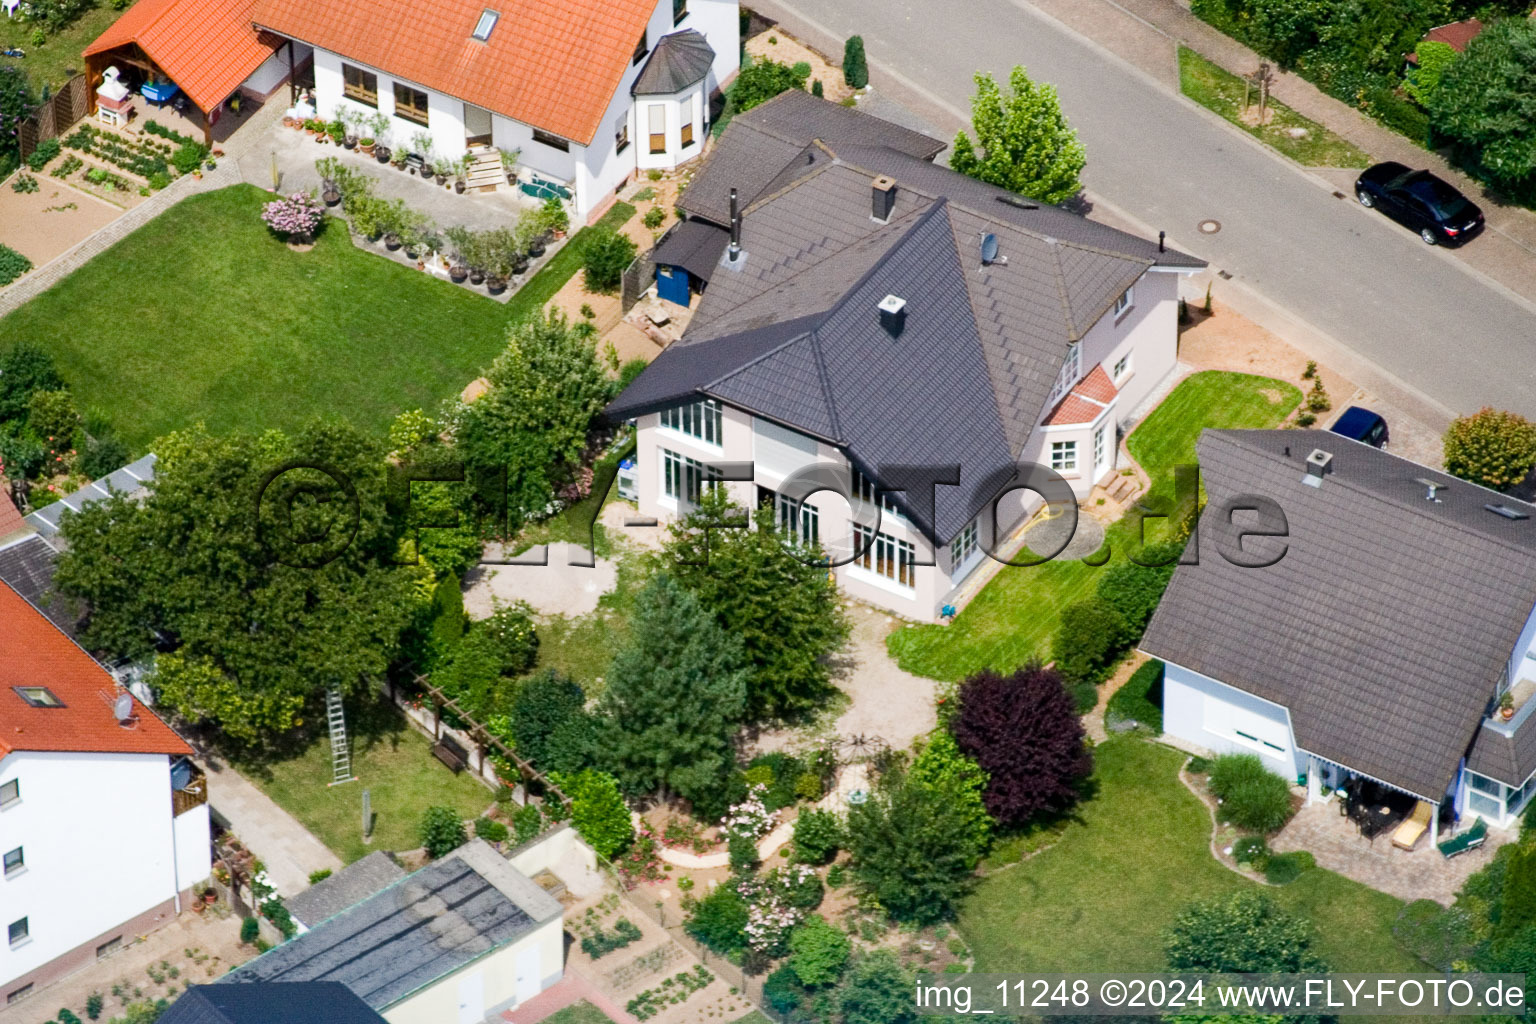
(785, 612)
(855, 65)
(914, 847)
(1023, 142)
(676, 697)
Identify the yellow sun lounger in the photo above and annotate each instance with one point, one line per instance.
(1410, 830)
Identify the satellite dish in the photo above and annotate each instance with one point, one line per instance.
(988, 248)
(123, 708)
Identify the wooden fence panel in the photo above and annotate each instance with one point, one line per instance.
(55, 115)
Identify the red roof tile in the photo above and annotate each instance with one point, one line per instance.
(34, 653)
(1084, 403)
(552, 64)
(208, 47)
(10, 519)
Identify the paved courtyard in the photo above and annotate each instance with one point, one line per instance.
(1421, 873)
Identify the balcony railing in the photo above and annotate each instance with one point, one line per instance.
(193, 794)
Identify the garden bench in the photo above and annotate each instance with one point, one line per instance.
(451, 754)
(1471, 839)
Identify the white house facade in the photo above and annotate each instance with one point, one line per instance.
(565, 104)
(104, 824)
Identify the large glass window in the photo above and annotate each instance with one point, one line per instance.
(360, 85)
(684, 479)
(410, 104)
(701, 420)
(805, 527)
(544, 138)
(963, 546)
(1071, 370)
(885, 555)
(1064, 456)
(866, 490)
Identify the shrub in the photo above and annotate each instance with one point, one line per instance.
(1245, 931)
(1306, 419)
(441, 831)
(491, 830)
(250, 928)
(1088, 641)
(743, 854)
(297, 216)
(510, 626)
(101, 456)
(94, 1001)
(159, 180)
(1401, 115)
(855, 65)
(45, 151)
(67, 1016)
(1491, 447)
(527, 823)
(12, 264)
(1251, 850)
(1317, 397)
(836, 877)
(319, 876)
(629, 371)
(781, 990)
(189, 156)
(1140, 700)
(1284, 868)
(53, 417)
(818, 952)
(808, 786)
(600, 943)
(719, 920)
(542, 706)
(1251, 795)
(654, 217)
(761, 81)
(598, 810)
(1134, 591)
(605, 256)
(817, 90)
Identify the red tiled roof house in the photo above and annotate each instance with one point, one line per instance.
(587, 92)
(103, 819)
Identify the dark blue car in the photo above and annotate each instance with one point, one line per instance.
(1362, 425)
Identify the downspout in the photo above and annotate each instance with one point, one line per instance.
(175, 864)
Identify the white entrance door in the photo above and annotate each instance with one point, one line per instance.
(1103, 450)
(472, 998)
(528, 974)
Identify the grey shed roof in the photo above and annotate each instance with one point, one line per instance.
(694, 245)
(678, 61)
(27, 566)
(345, 889)
(270, 1003)
(425, 926)
(1390, 620)
(128, 480)
(760, 149)
(791, 333)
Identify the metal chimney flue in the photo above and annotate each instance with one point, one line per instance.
(734, 252)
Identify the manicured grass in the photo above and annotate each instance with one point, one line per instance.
(60, 53)
(1219, 90)
(579, 1013)
(392, 761)
(202, 315)
(1016, 615)
(1137, 854)
(582, 647)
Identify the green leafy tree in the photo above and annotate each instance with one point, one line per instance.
(606, 254)
(719, 920)
(942, 763)
(914, 849)
(1491, 447)
(1433, 60)
(598, 811)
(855, 65)
(25, 367)
(217, 569)
(1088, 643)
(1242, 932)
(545, 390)
(786, 614)
(543, 705)
(818, 952)
(878, 990)
(470, 673)
(1517, 911)
(762, 80)
(441, 831)
(818, 835)
(53, 417)
(16, 102)
(1486, 101)
(676, 697)
(510, 628)
(1023, 142)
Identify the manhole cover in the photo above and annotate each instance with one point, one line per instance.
(1210, 227)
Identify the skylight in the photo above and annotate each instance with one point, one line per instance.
(487, 22)
(38, 696)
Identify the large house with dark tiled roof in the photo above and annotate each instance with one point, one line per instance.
(1373, 638)
(877, 311)
(103, 816)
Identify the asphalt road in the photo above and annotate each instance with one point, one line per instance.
(1377, 290)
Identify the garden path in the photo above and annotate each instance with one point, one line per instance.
(556, 587)
(289, 850)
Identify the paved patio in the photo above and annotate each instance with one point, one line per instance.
(1421, 873)
(294, 153)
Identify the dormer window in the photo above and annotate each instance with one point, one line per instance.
(488, 19)
(641, 49)
(38, 696)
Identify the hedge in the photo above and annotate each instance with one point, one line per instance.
(1140, 700)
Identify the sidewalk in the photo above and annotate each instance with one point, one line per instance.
(1146, 33)
(287, 848)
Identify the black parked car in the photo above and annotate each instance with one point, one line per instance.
(1420, 202)
(1360, 424)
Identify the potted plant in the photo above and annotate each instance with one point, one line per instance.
(509, 163)
(379, 129)
(1506, 705)
(365, 145)
(441, 168)
(337, 130)
(420, 158)
(556, 220)
(461, 172)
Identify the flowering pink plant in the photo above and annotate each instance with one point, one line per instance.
(296, 216)
(750, 818)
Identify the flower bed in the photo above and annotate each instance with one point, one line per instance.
(674, 990)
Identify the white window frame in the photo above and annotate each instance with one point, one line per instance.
(26, 932)
(19, 866)
(1067, 376)
(10, 793)
(1124, 303)
(684, 479)
(656, 128)
(883, 557)
(807, 530)
(867, 491)
(1098, 445)
(685, 122)
(1122, 366)
(1064, 456)
(964, 545)
(703, 422)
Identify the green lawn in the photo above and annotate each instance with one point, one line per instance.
(202, 315)
(579, 1013)
(1100, 899)
(392, 761)
(1014, 618)
(1219, 90)
(50, 63)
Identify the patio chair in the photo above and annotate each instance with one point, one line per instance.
(1471, 839)
(1409, 832)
